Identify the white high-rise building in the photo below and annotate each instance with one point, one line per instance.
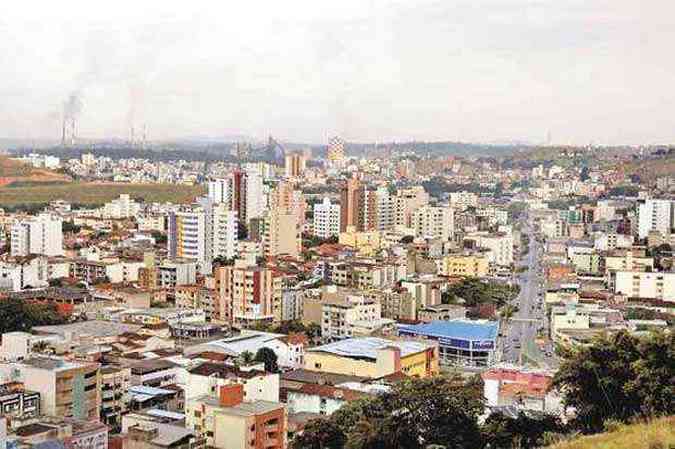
(122, 207)
(187, 235)
(255, 195)
(220, 191)
(655, 215)
(434, 222)
(225, 227)
(500, 247)
(385, 209)
(37, 235)
(203, 232)
(326, 219)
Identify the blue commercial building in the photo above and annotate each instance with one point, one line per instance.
(460, 342)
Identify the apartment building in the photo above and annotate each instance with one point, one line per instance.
(281, 235)
(464, 265)
(115, 383)
(378, 207)
(351, 206)
(366, 243)
(248, 294)
(645, 285)
(19, 273)
(287, 199)
(18, 403)
(433, 222)
(195, 296)
(407, 201)
(122, 207)
(326, 219)
(67, 388)
(203, 232)
(175, 272)
(499, 246)
(362, 274)
(41, 235)
(187, 235)
(226, 421)
(209, 377)
(294, 165)
(463, 200)
(628, 261)
(654, 215)
(344, 317)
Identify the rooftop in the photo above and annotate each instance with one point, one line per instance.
(246, 341)
(95, 328)
(51, 364)
(253, 408)
(367, 347)
(459, 328)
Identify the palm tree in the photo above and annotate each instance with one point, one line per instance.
(246, 357)
(40, 347)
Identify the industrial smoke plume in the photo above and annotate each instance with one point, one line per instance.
(71, 109)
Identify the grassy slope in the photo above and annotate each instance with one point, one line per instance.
(14, 171)
(657, 434)
(96, 194)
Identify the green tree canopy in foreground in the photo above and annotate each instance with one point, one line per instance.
(619, 377)
(414, 414)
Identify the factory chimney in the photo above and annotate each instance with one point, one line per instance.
(63, 132)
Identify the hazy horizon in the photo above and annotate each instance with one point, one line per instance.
(370, 71)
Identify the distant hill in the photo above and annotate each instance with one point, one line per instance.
(13, 171)
(657, 434)
(652, 168)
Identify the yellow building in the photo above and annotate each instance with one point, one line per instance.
(367, 243)
(374, 357)
(227, 421)
(464, 265)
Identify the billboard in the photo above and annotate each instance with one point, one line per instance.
(454, 343)
(483, 345)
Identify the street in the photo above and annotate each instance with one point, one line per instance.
(520, 332)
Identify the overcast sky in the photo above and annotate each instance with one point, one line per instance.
(598, 71)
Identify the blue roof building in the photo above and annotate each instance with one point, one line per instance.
(460, 342)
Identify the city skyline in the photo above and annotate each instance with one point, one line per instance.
(488, 71)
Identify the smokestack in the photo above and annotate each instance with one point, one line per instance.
(72, 131)
(63, 131)
(144, 137)
(132, 135)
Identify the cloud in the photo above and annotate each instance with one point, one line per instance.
(479, 70)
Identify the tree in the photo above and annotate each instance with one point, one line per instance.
(319, 433)
(56, 282)
(583, 175)
(414, 414)
(269, 358)
(19, 315)
(40, 347)
(68, 226)
(619, 378)
(247, 357)
(503, 432)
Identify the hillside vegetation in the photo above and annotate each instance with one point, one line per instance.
(94, 194)
(657, 434)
